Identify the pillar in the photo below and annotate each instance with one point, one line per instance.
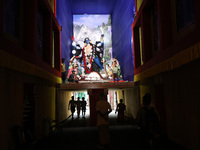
(93, 97)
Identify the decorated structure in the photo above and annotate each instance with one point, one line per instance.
(88, 61)
(91, 52)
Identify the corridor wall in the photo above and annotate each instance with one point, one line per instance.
(122, 18)
(62, 100)
(181, 93)
(178, 107)
(26, 59)
(13, 101)
(131, 96)
(119, 95)
(65, 19)
(45, 106)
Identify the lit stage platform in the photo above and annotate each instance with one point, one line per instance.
(95, 85)
(95, 80)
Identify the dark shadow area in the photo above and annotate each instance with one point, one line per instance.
(77, 134)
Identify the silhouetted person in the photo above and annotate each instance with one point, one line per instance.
(148, 121)
(121, 107)
(72, 106)
(63, 70)
(83, 106)
(103, 108)
(78, 107)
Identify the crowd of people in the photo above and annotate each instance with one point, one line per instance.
(77, 105)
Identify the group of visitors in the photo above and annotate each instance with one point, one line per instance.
(77, 105)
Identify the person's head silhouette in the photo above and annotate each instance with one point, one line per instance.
(147, 99)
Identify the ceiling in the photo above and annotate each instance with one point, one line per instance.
(92, 6)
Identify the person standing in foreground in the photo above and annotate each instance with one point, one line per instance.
(149, 123)
(103, 108)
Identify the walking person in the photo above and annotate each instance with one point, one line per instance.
(72, 106)
(78, 107)
(121, 107)
(83, 106)
(103, 108)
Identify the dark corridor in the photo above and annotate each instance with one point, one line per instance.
(78, 135)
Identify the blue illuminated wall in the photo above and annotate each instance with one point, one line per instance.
(122, 18)
(65, 19)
